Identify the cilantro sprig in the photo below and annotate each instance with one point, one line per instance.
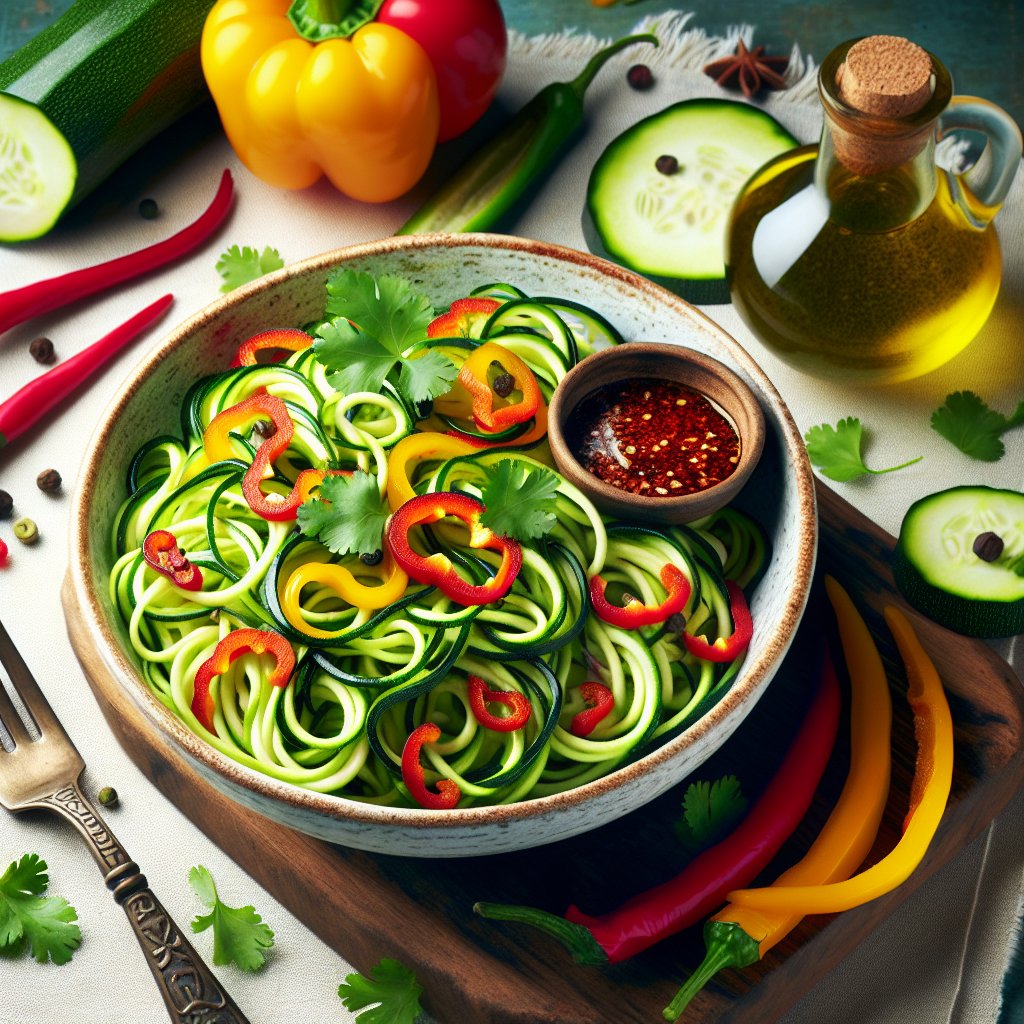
(29, 920)
(389, 318)
(389, 994)
(239, 933)
(966, 421)
(349, 515)
(710, 812)
(836, 451)
(240, 265)
(520, 501)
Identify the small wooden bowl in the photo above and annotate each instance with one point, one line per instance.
(639, 359)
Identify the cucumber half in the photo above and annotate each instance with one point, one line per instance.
(936, 567)
(671, 226)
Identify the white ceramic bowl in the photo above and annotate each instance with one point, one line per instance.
(780, 495)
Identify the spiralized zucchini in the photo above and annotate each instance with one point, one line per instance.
(365, 677)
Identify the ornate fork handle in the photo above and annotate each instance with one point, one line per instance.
(189, 988)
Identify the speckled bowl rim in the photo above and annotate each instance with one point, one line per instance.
(342, 808)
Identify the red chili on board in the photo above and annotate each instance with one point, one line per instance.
(653, 437)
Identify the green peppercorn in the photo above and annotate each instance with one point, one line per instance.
(25, 530)
(148, 210)
(107, 796)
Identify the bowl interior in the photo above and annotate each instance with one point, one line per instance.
(780, 497)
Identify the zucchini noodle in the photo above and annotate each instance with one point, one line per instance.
(377, 654)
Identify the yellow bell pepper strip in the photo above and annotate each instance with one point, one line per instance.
(933, 777)
(361, 110)
(448, 793)
(289, 338)
(634, 613)
(240, 419)
(237, 642)
(493, 372)
(726, 648)
(437, 569)
(338, 578)
(739, 935)
(161, 552)
(415, 448)
(517, 704)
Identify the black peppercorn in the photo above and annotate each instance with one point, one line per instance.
(640, 77)
(504, 384)
(6, 505)
(988, 546)
(667, 164)
(264, 428)
(42, 351)
(372, 557)
(48, 481)
(148, 210)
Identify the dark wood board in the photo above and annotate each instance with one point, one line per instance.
(368, 906)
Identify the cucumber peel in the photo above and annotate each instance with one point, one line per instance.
(937, 570)
(671, 227)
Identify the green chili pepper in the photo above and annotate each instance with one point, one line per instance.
(481, 191)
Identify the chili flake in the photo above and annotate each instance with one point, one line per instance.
(653, 437)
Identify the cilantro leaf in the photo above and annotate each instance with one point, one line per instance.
(966, 421)
(348, 518)
(391, 987)
(239, 934)
(29, 919)
(836, 451)
(710, 812)
(520, 502)
(241, 265)
(389, 318)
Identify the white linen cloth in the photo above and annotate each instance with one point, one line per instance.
(948, 939)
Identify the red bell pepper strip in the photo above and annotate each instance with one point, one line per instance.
(53, 293)
(290, 338)
(726, 648)
(475, 376)
(701, 886)
(239, 641)
(480, 695)
(599, 700)
(634, 614)
(464, 318)
(448, 793)
(161, 552)
(437, 569)
(3, 551)
(29, 405)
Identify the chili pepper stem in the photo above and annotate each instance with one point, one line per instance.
(580, 83)
(728, 945)
(576, 938)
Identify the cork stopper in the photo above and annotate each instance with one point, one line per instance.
(889, 78)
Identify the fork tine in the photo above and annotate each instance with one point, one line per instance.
(27, 689)
(13, 732)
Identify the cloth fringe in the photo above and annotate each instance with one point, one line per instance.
(681, 47)
(1010, 1009)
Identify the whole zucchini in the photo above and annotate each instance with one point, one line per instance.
(87, 92)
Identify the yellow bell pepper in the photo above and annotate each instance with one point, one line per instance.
(414, 449)
(362, 110)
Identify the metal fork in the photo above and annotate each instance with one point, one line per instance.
(40, 768)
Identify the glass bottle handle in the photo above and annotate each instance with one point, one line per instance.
(981, 189)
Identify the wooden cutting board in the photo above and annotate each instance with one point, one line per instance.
(367, 906)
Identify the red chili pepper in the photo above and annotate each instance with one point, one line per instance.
(701, 886)
(161, 552)
(53, 293)
(480, 695)
(3, 551)
(238, 642)
(599, 700)
(437, 569)
(290, 338)
(448, 793)
(29, 405)
(730, 647)
(634, 613)
(464, 318)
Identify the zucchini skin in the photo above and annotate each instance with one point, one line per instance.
(110, 75)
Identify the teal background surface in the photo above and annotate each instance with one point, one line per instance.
(980, 41)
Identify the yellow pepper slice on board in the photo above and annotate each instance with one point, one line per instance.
(361, 110)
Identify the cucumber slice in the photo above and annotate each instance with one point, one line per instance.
(938, 572)
(671, 227)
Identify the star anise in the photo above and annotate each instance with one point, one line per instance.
(751, 70)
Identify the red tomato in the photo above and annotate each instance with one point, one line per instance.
(466, 41)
